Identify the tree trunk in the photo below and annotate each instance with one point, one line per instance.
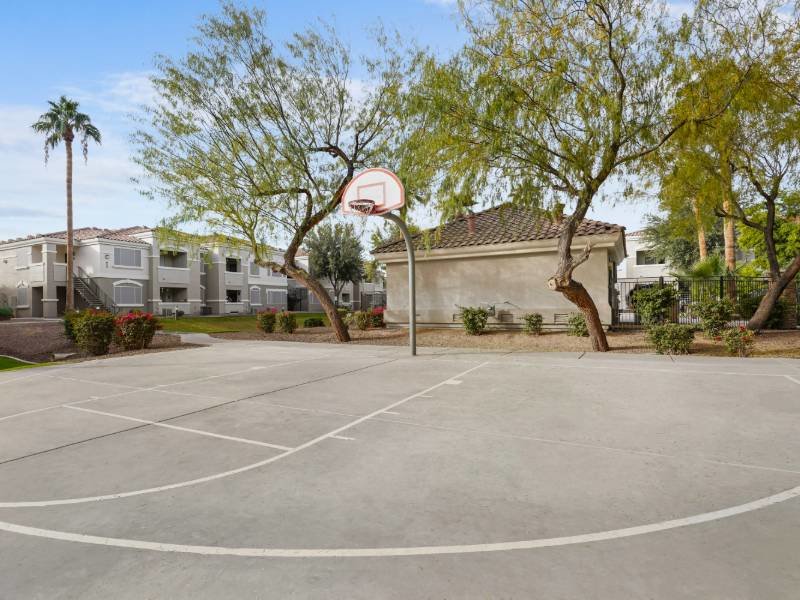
(729, 233)
(573, 290)
(776, 287)
(577, 294)
(324, 299)
(701, 232)
(70, 305)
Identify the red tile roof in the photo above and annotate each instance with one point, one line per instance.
(502, 224)
(89, 233)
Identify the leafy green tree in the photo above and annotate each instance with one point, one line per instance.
(334, 253)
(258, 140)
(551, 99)
(765, 153)
(63, 123)
(674, 237)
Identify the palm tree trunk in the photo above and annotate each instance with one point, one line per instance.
(729, 233)
(728, 230)
(70, 291)
(701, 232)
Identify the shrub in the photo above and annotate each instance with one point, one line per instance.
(362, 319)
(313, 322)
(653, 304)
(69, 322)
(6, 313)
(266, 320)
(532, 323)
(739, 341)
(576, 326)
(377, 317)
(94, 331)
(671, 338)
(346, 315)
(474, 319)
(136, 330)
(714, 315)
(747, 306)
(286, 322)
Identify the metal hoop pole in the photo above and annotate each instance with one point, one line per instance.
(412, 292)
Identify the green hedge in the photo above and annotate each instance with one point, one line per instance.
(266, 320)
(532, 323)
(474, 319)
(285, 322)
(671, 338)
(94, 330)
(576, 326)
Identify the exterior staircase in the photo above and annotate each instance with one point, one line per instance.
(91, 293)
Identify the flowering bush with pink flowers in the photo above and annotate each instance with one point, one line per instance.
(376, 317)
(135, 330)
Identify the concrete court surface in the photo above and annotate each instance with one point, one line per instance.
(269, 470)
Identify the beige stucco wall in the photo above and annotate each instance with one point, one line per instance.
(519, 279)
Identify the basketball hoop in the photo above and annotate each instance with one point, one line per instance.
(362, 207)
(377, 192)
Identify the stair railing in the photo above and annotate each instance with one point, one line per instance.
(98, 293)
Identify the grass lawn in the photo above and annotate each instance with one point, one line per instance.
(226, 324)
(13, 363)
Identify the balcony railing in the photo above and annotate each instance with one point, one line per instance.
(174, 275)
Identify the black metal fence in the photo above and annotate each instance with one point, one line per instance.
(744, 292)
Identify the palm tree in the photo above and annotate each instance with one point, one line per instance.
(62, 123)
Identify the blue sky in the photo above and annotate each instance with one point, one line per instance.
(100, 53)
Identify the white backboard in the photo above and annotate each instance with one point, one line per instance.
(379, 185)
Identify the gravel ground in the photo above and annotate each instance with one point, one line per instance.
(38, 341)
(771, 343)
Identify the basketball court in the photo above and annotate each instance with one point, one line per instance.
(269, 470)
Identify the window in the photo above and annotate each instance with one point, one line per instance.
(647, 257)
(232, 265)
(254, 269)
(127, 294)
(276, 297)
(203, 263)
(255, 296)
(22, 296)
(203, 295)
(233, 295)
(345, 297)
(127, 257)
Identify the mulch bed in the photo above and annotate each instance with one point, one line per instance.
(768, 343)
(38, 341)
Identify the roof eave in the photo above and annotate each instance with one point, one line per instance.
(605, 240)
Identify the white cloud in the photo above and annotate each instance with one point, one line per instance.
(33, 197)
(117, 93)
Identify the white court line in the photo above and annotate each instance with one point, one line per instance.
(585, 538)
(250, 467)
(790, 378)
(132, 389)
(177, 428)
(342, 437)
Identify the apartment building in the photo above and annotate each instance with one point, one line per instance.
(136, 268)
